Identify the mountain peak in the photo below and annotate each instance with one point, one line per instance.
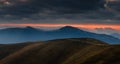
(69, 28)
(29, 27)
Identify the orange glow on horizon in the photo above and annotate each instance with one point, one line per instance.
(88, 26)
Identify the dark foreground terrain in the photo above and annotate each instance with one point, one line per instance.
(62, 51)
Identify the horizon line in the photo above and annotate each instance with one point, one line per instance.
(88, 26)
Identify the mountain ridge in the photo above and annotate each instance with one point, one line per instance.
(16, 35)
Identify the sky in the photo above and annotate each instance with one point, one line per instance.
(88, 14)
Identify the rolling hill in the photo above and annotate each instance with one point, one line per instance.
(7, 49)
(17, 35)
(64, 51)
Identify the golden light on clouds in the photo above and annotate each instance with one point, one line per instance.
(87, 26)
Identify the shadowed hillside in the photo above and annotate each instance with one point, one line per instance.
(7, 49)
(64, 51)
(108, 56)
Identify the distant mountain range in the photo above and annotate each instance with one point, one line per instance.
(17, 35)
(116, 35)
(60, 51)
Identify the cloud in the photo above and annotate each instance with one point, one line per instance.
(114, 4)
(59, 11)
(106, 30)
(56, 6)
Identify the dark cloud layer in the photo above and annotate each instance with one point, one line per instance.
(115, 5)
(59, 11)
(56, 6)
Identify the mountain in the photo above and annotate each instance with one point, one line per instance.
(16, 35)
(62, 51)
(116, 35)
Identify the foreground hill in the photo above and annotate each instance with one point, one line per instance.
(65, 51)
(16, 35)
(7, 49)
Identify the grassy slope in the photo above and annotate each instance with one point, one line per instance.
(7, 49)
(65, 51)
(108, 56)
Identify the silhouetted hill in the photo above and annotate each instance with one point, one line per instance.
(65, 51)
(18, 30)
(16, 35)
(69, 28)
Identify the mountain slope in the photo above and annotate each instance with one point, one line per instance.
(6, 49)
(16, 35)
(116, 35)
(65, 51)
(109, 56)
